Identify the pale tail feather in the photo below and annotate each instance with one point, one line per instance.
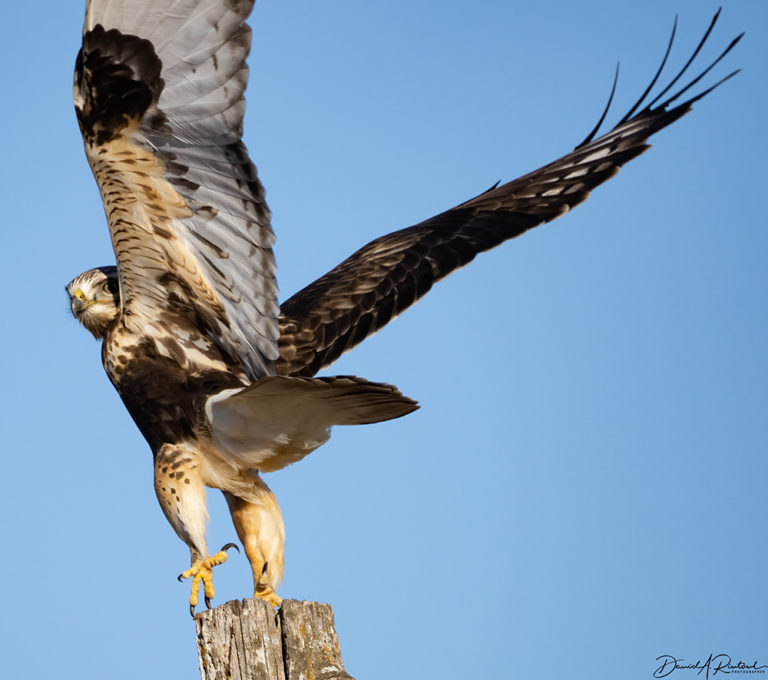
(278, 420)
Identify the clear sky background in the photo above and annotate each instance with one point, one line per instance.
(584, 487)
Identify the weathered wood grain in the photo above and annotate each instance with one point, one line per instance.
(310, 644)
(249, 640)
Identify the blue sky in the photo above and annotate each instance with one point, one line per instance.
(584, 487)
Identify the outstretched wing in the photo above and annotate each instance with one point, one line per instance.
(372, 286)
(159, 98)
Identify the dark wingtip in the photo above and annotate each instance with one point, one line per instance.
(594, 130)
(655, 79)
(703, 94)
(689, 62)
(720, 57)
(654, 104)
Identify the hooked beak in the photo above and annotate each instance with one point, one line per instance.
(78, 304)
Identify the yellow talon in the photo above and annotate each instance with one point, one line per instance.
(269, 595)
(202, 570)
(265, 591)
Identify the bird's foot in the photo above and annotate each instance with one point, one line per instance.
(264, 590)
(266, 593)
(202, 570)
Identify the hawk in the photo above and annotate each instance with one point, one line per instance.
(219, 379)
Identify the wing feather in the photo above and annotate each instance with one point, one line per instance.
(372, 286)
(159, 98)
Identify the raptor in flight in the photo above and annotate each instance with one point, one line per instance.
(217, 376)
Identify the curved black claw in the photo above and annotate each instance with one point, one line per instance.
(208, 602)
(180, 577)
(192, 610)
(228, 546)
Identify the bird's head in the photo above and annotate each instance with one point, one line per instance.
(94, 297)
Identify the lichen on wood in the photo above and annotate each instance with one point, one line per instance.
(249, 640)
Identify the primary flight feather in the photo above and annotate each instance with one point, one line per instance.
(218, 378)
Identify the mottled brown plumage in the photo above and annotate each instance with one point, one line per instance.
(217, 378)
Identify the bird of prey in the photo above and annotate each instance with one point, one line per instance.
(219, 378)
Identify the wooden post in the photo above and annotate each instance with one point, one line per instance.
(249, 640)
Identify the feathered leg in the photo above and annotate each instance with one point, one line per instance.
(259, 524)
(180, 490)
